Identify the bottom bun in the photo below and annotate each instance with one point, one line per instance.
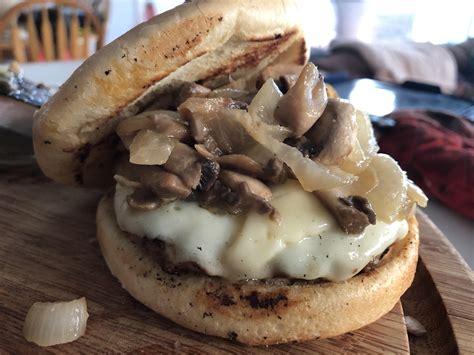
(258, 312)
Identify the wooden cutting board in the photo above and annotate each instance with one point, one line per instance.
(48, 252)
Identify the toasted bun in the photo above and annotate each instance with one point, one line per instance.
(258, 312)
(72, 132)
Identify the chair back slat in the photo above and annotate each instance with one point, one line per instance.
(40, 39)
(18, 47)
(34, 45)
(47, 35)
(74, 37)
(86, 34)
(61, 34)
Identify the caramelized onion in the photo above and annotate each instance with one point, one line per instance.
(365, 134)
(367, 180)
(311, 175)
(230, 93)
(365, 147)
(387, 188)
(219, 133)
(168, 123)
(52, 323)
(150, 148)
(265, 101)
(390, 194)
(416, 194)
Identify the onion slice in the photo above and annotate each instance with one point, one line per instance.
(311, 175)
(390, 194)
(265, 102)
(416, 194)
(365, 148)
(150, 148)
(228, 93)
(52, 323)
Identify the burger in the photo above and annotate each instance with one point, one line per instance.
(243, 202)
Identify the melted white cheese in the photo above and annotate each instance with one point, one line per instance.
(306, 244)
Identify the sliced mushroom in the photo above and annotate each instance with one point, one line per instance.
(286, 82)
(243, 83)
(304, 103)
(142, 199)
(236, 200)
(184, 162)
(218, 133)
(361, 204)
(219, 81)
(275, 171)
(353, 213)
(167, 123)
(126, 182)
(204, 152)
(285, 75)
(200, 114)
(220, 195)
(163, 101)
(230, 93)
(170, 125)
(249, 199)
(209, 173)
(250, 193)
(335, 133)
(164, 184)
(242, 163)
(190, 89)
(304, 145)
(235, 180)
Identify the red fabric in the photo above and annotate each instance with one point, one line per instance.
(438, 159)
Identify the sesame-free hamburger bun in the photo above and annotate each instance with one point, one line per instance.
(104, 120)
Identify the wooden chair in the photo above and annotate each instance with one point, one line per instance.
(69, 40)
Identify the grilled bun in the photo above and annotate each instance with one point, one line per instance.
(75, 143)
(258, 312)
(73, 132)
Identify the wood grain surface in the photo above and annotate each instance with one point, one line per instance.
(48, 252)
(442, 296)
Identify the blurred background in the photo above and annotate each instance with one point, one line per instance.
(45, 30)
(408, 63)
(438, 22)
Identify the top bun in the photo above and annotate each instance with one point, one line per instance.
(202, 40)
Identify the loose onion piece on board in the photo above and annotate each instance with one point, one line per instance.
(52, 323)
(414, 327)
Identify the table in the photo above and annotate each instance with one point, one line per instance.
(52, 73)
(458, 229)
